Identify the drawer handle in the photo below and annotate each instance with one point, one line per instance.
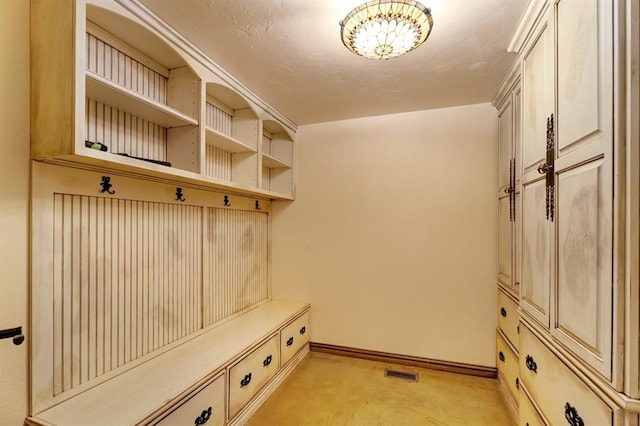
(204, 417)
(501, 356)
(303, 330)
(571, 414)
(503, 312)
(290, 341)
(531, 364)
(266, 361)
(244, 382)
(517, 382)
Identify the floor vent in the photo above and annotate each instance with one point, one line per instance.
(405, 375)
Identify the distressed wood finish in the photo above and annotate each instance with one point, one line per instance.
(536, 256)
(123, 277)
(218, 163)
(112, 64)
(537, 94)
(584, 182)
(237, 257)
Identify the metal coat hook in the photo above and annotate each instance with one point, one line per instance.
(106, 185)
(179, 194)
(226, 201)
(258, 205)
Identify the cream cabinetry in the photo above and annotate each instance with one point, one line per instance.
(206, 406)
(567, 183)
(578, 279)
(251, 373)
(541, 371)
(508, 105)
(113, 89)
(143, 294)
(293, 337)
(509, 318)
(508, 367)
(528, 415)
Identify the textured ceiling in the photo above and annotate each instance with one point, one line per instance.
(290, 54)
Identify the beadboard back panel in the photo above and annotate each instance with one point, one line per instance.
(124, 133)
(115, 65)
(219, 119)
(237, 258)
(131, 269)
(126, 282)
(218, 163)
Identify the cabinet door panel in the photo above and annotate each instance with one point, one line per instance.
(504, 242)
(583, 319)
(537, 97)
(534, 287)
(584, 269)
(505, 138)
(584, 80)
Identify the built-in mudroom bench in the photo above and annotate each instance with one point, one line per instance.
(153, 175)
(151, 303)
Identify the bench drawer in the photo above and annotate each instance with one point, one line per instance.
(294, 336)
(250, 374)
(205, 406)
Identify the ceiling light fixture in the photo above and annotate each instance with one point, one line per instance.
(383, 29)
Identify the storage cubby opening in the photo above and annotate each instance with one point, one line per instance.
(231, 132)
(137, 105)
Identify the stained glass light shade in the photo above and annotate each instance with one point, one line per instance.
(383, 29)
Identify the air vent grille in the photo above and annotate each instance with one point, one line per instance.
(405, 375)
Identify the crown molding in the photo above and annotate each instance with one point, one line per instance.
(149, 18)
(532, 13)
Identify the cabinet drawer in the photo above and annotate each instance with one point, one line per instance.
(529, 416)
(249, 375)
(558, 392)
(294, 336)
(507, 363)
(205, 406)
(508, 318)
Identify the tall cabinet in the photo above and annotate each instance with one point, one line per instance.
(577, 292)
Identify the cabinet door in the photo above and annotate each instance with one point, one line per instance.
(505, 141)
(504, 241)
(584, 181)
(536, 258)
(537, 95)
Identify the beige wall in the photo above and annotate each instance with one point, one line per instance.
(392, 234)
(14, 204)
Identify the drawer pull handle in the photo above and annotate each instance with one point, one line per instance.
(244, 382)
(303, 330)
(571, 414)
(531, 364)
(290, 341)
(517, 382)
(204, 417)
(501, 356)
(503, 312)
(266, 361)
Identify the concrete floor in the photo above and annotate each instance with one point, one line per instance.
(333, 390)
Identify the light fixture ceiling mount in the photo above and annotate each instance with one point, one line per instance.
(383, 29)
